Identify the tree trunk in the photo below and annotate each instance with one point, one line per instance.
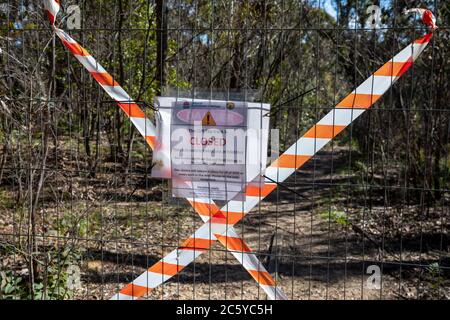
(161, 44)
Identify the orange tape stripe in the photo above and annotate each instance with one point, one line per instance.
(133, 290)
(256, 190)
(205, 209)
(224, 217)
(262, 277)
(359, 100)
(132, 110)
(323, 131)
(393, 69)
(75, 48)
(104, 78)
(425, 38)
(235, 244)
(290, 161)
(232, 217)
(166, 268)
(197, 244)
(151, 140)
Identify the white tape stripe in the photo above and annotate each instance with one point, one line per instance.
(278, 174)
(204, 218)
(144, 126)
(90, 64)
(232, 233)
(117, 93)
(251, 263)
(181, 257)
(248, 260)
(404, 55)
(411, 51)
(376, 85)
(151, 279)
(274, 293)
(197, 199)
(417, 49)
(271, 291)
(307, 146)
(52, 6)
(204, 231)
(341, 117)
(65, 36)
(241, 206)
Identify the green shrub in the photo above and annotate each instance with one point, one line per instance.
(53, 284)
(335, 216)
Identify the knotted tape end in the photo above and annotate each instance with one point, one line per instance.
(427, 17)
(51, 8)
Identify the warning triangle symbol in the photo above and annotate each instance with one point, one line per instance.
(208, 120)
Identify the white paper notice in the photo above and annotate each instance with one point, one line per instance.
(213, 147)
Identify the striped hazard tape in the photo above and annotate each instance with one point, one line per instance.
(148, 131)
(334, 122)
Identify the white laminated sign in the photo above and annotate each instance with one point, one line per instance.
(210, 148)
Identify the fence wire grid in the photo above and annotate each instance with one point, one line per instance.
(81, 216)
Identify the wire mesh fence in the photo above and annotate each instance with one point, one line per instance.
(81, 216)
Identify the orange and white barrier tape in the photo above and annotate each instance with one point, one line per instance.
(148, 131)
(345, 112)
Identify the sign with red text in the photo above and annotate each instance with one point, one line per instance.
(208, 148)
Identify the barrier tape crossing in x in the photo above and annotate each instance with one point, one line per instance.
(219, 223)
(350, 108)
